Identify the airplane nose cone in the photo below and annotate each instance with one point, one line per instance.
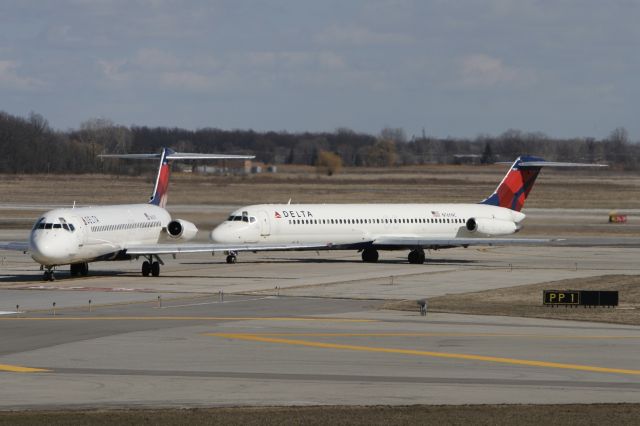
(221, 235)
(48, 250)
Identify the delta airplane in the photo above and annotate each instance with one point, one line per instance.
(77, 236)
(369, 228)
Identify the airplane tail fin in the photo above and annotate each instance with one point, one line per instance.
(518, 182)
(159, 196)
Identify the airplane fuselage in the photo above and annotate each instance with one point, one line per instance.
(353, 224)
(85, 234)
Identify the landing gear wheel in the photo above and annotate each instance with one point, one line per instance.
(84, 269)
(370, 255)
(146, 268)
(416, 257)
(49, 276)
(74, 269)
(231, 258)
(155, 269)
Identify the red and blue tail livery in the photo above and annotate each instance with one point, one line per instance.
(159, 197)
(516, 185)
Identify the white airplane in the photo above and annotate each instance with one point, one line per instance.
(372, 227)
(77, 236)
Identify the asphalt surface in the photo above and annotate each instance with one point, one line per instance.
(305, 328)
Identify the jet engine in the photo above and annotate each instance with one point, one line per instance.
(181, 230)
(491, 227)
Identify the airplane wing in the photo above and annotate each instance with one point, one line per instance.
(14, 246)
(408, 242)
(148, 249)
(457, 242)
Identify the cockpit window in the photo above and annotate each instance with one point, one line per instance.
(57, 226)
(48, 225)
(243, 218)
(252, 219)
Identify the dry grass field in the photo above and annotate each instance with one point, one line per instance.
(526, 301)
(565, 415)
(577, 188)
(574, 188)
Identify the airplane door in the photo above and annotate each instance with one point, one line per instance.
(265, 225)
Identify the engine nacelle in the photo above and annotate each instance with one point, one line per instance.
(181, 230)
(491, 227)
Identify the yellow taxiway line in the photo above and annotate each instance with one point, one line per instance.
(443, 334)
(19, 369)
(468, 357)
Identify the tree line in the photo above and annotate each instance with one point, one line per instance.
(30, 145)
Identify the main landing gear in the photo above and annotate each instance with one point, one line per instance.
(416, 256)
(151, 266)
(79, 269)
(370, 255)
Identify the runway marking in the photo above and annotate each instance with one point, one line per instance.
(468, 357)
(174, 318)
(534, 336)
(19, 369)
(216, 302)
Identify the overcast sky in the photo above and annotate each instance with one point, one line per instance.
(455, 68)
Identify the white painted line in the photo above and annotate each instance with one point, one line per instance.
(216, 302)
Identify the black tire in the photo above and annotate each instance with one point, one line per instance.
(146, 268)
(155, 269)
(73, 269)
(231, 259)
(416, 257)
(370, 255)
(84, 269)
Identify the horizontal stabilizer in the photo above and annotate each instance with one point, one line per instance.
(557, 164)
(179, 156)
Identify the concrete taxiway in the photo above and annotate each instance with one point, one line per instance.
(305, 328)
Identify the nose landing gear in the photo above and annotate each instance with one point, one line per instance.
(48, 274)
(232, 257)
